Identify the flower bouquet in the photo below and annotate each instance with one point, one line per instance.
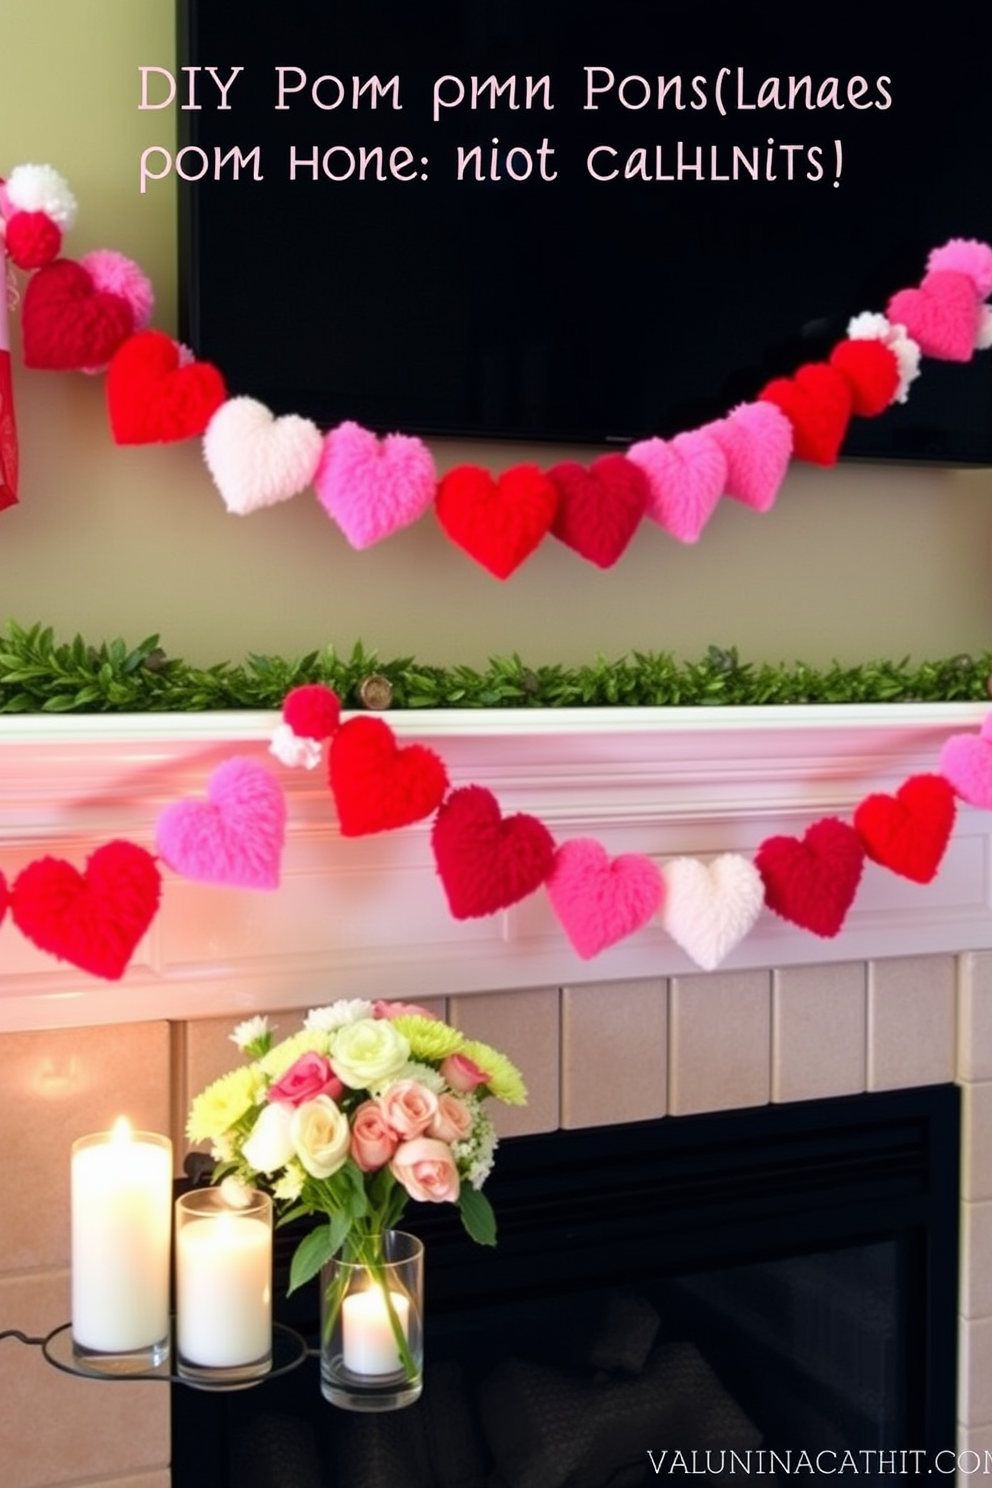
(369, 1105)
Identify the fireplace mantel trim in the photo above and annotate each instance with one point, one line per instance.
(367, 916)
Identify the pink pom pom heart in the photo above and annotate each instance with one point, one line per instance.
(942, 316)
(257, 460)
(756, 439)
(113, 273)
(687, 476)
(233, 838)
(966, 256)
(966, 763)
(371, 487)
(598, 899)
(711, 907)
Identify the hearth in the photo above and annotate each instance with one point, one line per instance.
(778, 1280)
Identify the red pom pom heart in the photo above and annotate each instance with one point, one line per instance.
(908, 832)
(812, 880)
(599, 509)
(33, 239)
(942, 316)
(817, 402)
(871, 371)
(4, 897)
(154, 397)
(500, 522)
(67, 323)
(486, 861)
(378, 785)
(95, 919)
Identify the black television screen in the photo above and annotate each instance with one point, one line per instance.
(573, 220)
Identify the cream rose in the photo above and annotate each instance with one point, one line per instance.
(367, 1052)
(426, 1169)
(320, 1136)
(269, 1145)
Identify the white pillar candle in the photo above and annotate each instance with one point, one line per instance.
(369, 1340)
(223, 1281)
(121, 1216)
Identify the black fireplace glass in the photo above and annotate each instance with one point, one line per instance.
(719, 1296)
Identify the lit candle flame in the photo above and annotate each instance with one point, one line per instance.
(121, 1131)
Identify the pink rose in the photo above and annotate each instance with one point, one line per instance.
(426, 1170)
(408, 1108)
(463, 1073)
(309, 1077)
(372, 1141)
(402, 1010)
(453, 1122)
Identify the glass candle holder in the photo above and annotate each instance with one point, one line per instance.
(223, 1286)
(372, 1328)
(121, 1222)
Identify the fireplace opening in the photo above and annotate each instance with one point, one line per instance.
(780, 1281)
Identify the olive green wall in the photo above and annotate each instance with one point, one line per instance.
(853, 563)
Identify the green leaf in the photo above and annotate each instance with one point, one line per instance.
(477, 1215)
(316, 1249)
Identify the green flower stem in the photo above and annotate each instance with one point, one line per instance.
(366, 1251)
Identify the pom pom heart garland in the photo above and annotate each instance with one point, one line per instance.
(80, 315)
(487, 862)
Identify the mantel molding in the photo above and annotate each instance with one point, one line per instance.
(368, 917)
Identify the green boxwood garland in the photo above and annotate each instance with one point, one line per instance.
(39, 674)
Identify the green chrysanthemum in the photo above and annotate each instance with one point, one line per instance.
(505, 1081)
(428, 1038)
(222, 1105)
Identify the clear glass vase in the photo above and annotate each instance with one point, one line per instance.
(372, 1323)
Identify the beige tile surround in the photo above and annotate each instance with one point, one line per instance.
(593, 1054)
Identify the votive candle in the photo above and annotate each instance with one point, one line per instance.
(369, 1343)
(223, 1280)
(121, 1219)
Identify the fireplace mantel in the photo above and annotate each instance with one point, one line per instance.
(367, 917)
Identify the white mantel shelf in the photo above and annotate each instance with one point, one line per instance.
(367, 917)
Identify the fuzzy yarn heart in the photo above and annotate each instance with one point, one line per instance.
(598, 899)
(942, 315)
(486, 861)
(4, 897)
(235, 837)
(817, 402)
(709, 908)
(966, 762)
(812, 880)
(377, 784)
(871, 370)
(68, 324)
(94, 919)
(32, 239)
(500, 522)
(373, 487)
(115, 273)
(257, 460)
(687, 476)
(599, 508)
(154, 396)
(756, 439)
(966, 256)
(908, 832)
